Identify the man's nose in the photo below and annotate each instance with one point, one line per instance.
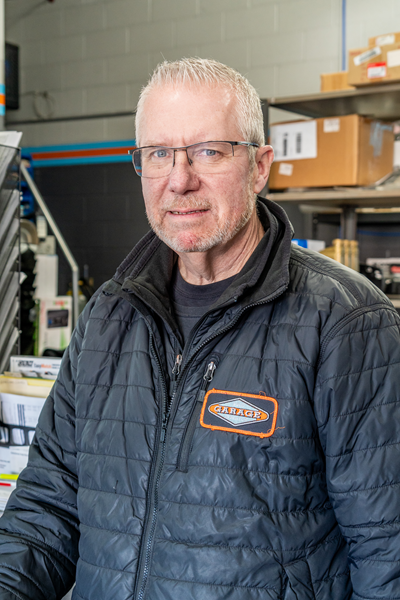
(182, 177)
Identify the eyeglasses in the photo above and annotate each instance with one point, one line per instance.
(204, 158)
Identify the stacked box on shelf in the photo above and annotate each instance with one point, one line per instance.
(342, 151)
(331, 82)
(380, 64)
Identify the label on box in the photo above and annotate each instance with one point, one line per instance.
(384, 40)
(285, 169)
(294, 141)
(331, 125)
(376, 70)
(367, 55)
(32, 366)
(393, 58)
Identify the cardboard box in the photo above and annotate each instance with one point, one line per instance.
(379, 64)
(331, 82)
(384, 40)
(33, 366)
(339, 151)
(345, 252)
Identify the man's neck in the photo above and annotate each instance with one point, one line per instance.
(221, 262)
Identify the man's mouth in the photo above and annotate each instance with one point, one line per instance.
(188, 212)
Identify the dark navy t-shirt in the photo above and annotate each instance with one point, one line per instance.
(191, 302)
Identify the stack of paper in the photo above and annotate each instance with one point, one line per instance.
(21, 401)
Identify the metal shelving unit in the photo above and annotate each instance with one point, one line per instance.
(379, 101)
(9, 253)
(358, 197)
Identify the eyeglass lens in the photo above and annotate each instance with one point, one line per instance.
(206, 157)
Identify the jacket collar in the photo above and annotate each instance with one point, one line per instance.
(146, 272)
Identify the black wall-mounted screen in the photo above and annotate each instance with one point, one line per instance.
(12, 76)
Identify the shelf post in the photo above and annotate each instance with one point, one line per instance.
(348, 223)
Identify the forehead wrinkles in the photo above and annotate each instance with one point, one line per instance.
(227, 100)
(225, 93)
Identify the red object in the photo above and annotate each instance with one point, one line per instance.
(81, 153)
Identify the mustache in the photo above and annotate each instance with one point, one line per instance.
(190, 202)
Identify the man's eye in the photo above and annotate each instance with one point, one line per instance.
(161, 153)
(207, 153)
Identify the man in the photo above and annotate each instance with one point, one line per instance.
(224, 425)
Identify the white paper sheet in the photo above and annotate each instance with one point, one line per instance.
(5, 492)
(13, 458)
(19, 458)
(5, 459)
(10, 138)
(294, 141)
(393, 58)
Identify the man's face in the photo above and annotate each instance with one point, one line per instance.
(194, 212)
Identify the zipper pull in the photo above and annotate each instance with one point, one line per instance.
(208, 376)
(163, 430)
(177, 366)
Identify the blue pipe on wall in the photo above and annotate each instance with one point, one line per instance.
(344, 35)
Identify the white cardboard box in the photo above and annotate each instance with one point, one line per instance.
(36, 366)
(55, 323)
(46, 280)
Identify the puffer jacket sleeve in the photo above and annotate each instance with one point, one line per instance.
(39, 531)
(357, 404)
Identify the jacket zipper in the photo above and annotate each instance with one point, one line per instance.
(154, 483)
(167, 413)
(183, 368)
(174, 376)
(177, 367)
(186, 444)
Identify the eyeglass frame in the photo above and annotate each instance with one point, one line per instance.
(185, 148)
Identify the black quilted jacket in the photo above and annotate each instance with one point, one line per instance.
(265, 465)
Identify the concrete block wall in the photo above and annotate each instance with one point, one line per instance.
(93, 56)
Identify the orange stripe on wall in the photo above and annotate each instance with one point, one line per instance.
(80, 153)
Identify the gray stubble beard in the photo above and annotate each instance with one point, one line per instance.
(222, 236)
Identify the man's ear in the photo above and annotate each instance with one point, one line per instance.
(264, 160)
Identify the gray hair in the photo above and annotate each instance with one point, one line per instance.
(203, 71)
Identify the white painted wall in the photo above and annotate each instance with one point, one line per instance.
(93, 56)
